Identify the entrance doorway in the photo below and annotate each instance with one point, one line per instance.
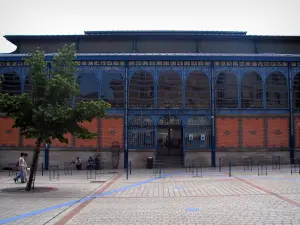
(169, 136)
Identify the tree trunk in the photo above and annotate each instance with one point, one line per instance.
(34, 165)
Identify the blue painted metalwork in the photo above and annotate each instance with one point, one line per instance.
(183, 113)
(291, 117)
(141, 133)
(46, 157)
(198, 133)
(213, 117)
(166, 56)
(126, 156)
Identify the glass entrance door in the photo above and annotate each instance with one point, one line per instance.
(169, 141)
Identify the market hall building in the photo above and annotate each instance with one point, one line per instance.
(174, 95)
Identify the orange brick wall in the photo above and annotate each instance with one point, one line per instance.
(227, 132)
(297, 132)
(253, 132)
(28, 142)
(278, 132)
(111, 131)
(8, 136)
(56, 143)
(92, 127)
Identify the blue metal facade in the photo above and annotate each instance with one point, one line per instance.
(127, 66)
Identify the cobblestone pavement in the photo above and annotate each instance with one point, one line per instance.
(179, 198)
(70, 189)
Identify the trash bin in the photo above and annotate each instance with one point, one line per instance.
(150, 163)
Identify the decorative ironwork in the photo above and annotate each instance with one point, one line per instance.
(141, 90)
(226, 90)
(170, 63)
(112, 131)
(278, 132)
(197, 133)
(252, 91)
(296, 91)
(169, 121)
(141, 133)
(27, 84)
(11, 83)
(276, 91)
(169, 90)
(227, 132)
(112, 88)
(100, 63)
(250, 64)
(197, 90)
(89, 86)
(252, 132)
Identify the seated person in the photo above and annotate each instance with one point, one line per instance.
(90, 163)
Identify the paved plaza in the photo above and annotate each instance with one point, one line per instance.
(178, 198)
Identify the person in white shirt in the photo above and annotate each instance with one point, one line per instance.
(78, 164)
(21, 165)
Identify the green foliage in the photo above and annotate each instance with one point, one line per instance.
(46, 112)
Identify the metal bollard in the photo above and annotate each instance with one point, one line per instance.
(220, 166)
(127, 172)
(230, 169)
(130, 167)
(42, 169)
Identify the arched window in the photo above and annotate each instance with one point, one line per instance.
(197, 133)
(197, 90)
(169, 90)
(11, 83)
(226, 93)
(141, 133)
(296, 91)
(141, 90)
(112, 88)
(277, 91)
(88, 85)
(252, 90)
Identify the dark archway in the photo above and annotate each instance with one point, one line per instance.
(169, 136)
(169, 90)
(89, 86)
(197, 90)
(276, 91)
(296, 91)
(112, 88)
(226, 90)
(141, 90)
(11, 83)
(252, 90)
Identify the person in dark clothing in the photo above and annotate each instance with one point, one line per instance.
(90, 163)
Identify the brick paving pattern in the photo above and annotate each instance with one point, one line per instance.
(244, 198)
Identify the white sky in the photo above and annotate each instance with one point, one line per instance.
(272, 17)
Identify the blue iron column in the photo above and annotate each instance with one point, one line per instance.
(46, 156)
(155, 79)
(126, 118)
(291, 119)
(212, 102)
(183, 87)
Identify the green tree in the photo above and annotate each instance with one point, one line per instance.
(46, 112)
